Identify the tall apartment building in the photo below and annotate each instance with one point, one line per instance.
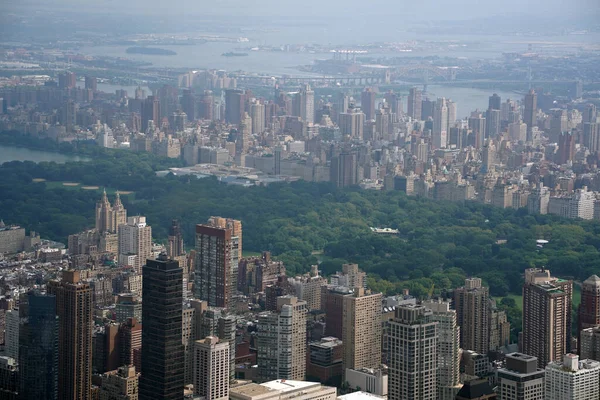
(38, 347)
(109, 218)
(546, 316)
(572, 379)
(162, 350)
(414, 103)
(211, 369)
(213, 266)
(367, 103)
(332, 303)
(448, 349)
(175, 246)
(352, 123)
(135, 242)
(303, 104)
(472, 310)
(538, 200)
(281, 341)
(11, 333)
(589, 308)
(521, 379)
(361, 329)
(74, 310)
(589, 343)
(130, 344)
(308, 287)
(412, 363)
(530, 112)
(121, 384)
(440, 124)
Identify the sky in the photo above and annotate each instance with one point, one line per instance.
(401, 9)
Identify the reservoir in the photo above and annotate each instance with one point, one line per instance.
(11, 153)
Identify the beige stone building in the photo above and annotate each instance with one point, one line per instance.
(361, 329)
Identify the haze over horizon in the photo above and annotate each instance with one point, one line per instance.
(423, 10)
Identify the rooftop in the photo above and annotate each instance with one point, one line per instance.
(360, 396)
(285, 385)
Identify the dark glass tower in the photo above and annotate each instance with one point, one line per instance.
(162, 348)
(38, 347)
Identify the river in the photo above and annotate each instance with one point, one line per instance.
(11, 153)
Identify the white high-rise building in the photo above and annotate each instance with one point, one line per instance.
(211, 368)
(448, 349)
(412, 359)
(257, 113)
(521, 379)
(281, 341)
(440, 124)
(573, 379)
(135, 239)
(11, 338)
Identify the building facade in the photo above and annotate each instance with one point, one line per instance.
(74, 310)
(412, 364)
(546, 316)
(162, 350)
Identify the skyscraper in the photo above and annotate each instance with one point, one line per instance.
(11, 333)
(546, 316)
(589, 308)
(367, 103)
(135, 242)
(235, 225)
(303, 104)
(38, 347)
(234, 106)
(91, 83)
(67, 80)
(495, 102)
(529, 112)
(343, 170)
(242, 141)
(211, 369)
(412, 364)
(472, 310)
(150, 112)
(521, 379)
(352, 123)
(175, 246)
(394, 101)
(361, 329)
(342, 103)
(477, 125)
(74, 310)
(448, 349)
(414, 103)
(281, 341)
(572, 379)
(257, 113)
(213, 267)
(162, 348)
(440, 124)
(493, 124)
(188, 104)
